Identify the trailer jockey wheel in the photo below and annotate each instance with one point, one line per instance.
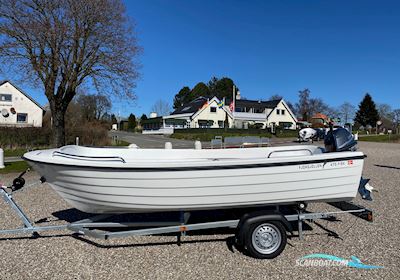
(266, 239)
(18, 183)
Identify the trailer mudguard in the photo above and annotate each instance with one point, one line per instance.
(256, 217)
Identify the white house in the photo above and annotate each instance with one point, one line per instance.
(17, 108)
(263, 114)
(213, 113)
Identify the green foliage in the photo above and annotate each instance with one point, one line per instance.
(14, 152)
(201, 89)
(113, 119)
(16, 167)
(221, 87)
(132, 123)
(367, 113)
(143, 117)
(182, 97)
(381, 138)
(215, 87)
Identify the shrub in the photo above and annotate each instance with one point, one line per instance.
(90, 133)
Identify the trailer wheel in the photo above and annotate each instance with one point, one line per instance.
(266, 240)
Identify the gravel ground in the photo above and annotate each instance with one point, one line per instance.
(207, 256)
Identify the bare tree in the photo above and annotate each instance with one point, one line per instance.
(385, 111)
(103, 105)
(65, 44)
(94, 106)
(275, 97)
(347, 112)
(303, 106)
(161, 107)
(396, 120)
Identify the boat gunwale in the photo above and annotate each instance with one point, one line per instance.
(201, 168)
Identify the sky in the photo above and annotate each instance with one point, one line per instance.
(338, 49)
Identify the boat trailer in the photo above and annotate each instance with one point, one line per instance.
(260, 231)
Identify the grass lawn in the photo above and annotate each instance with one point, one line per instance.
(11, 167)
(120, 143)
(393, 138)
(14, 152)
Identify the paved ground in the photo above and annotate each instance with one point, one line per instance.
(152, 141)
(158, 141)
(12, 159)
(207, 256)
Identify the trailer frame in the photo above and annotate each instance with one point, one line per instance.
(96, 227)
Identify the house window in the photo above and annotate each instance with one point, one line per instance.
(220, 124)
(278, 111)
(205, 123)
(22, 117)
(282, 112)
(213, 109)
(6, 97)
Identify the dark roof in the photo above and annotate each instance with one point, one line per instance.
(191, 107)
(27, 95)
(271, 104)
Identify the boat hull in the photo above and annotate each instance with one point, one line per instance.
(124, 190)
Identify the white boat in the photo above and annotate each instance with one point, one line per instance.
(123, 180)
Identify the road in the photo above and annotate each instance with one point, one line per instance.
(158, 141)
(153, 141)
(12, 159)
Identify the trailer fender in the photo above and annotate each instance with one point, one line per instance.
(256, 217)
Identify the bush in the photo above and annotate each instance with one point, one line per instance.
(90, 133)
(286, 133)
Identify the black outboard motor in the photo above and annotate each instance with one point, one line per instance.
(339, 140)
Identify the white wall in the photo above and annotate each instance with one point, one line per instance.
(275, 118)
(21, 104)
(206, 114)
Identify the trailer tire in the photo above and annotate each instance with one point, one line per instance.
(265, 239)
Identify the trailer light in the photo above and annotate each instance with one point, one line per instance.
(182, 228)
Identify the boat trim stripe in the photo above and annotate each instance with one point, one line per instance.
(200, 168)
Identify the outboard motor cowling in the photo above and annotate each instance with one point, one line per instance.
(339, 140)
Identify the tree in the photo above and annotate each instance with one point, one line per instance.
(367, 113)
(132, 122)
(143, 117)
(161, 107)
(182, 97)
(385, 111)
(113, 119)
(103, 105)
(346, 111)
(222, 88)
(94, 106)
(275, 97)
(303, 106)
(200, 89)
(396, 120)
(317, 105)
(64, 44)
(291, 107)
